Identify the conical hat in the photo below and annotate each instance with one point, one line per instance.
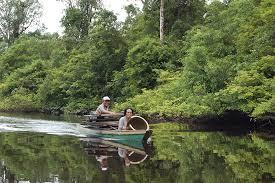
(138, 123)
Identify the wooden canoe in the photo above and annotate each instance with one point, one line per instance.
(108, 130)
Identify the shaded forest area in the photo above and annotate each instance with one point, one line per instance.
(214, 57)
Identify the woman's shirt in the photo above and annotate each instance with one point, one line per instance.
(121, 123)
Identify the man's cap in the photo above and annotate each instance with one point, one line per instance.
(106, 98)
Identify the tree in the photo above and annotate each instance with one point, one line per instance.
(108, 49)
(161, 20)
(16, 17)
(131, 18)
(140, 70)
(180, 16)
(70, 3)
(78, 17)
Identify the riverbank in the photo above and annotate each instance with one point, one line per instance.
(229, 121)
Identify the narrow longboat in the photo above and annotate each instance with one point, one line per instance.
(105, 127)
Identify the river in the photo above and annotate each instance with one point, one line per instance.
(44, 148)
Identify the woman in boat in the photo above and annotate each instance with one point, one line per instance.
(123, 121)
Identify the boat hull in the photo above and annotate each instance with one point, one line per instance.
(108, 130)
(126, 137)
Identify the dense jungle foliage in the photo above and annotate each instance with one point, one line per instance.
(215, 57)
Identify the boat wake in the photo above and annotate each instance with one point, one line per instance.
(11, 124)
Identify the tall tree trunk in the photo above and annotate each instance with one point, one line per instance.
(161, 21)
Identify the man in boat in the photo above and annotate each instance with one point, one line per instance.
(104, 107)
(123, 121)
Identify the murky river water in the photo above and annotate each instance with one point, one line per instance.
(41, 148)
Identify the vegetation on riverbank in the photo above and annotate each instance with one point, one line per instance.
(214, 58)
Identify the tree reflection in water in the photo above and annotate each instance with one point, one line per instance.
(178, 156)
(36, 157)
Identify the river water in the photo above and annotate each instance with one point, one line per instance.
(42, 148)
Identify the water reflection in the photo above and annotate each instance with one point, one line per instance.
(36, 157)
(104, 150)
(6, 176)
(178, 155)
